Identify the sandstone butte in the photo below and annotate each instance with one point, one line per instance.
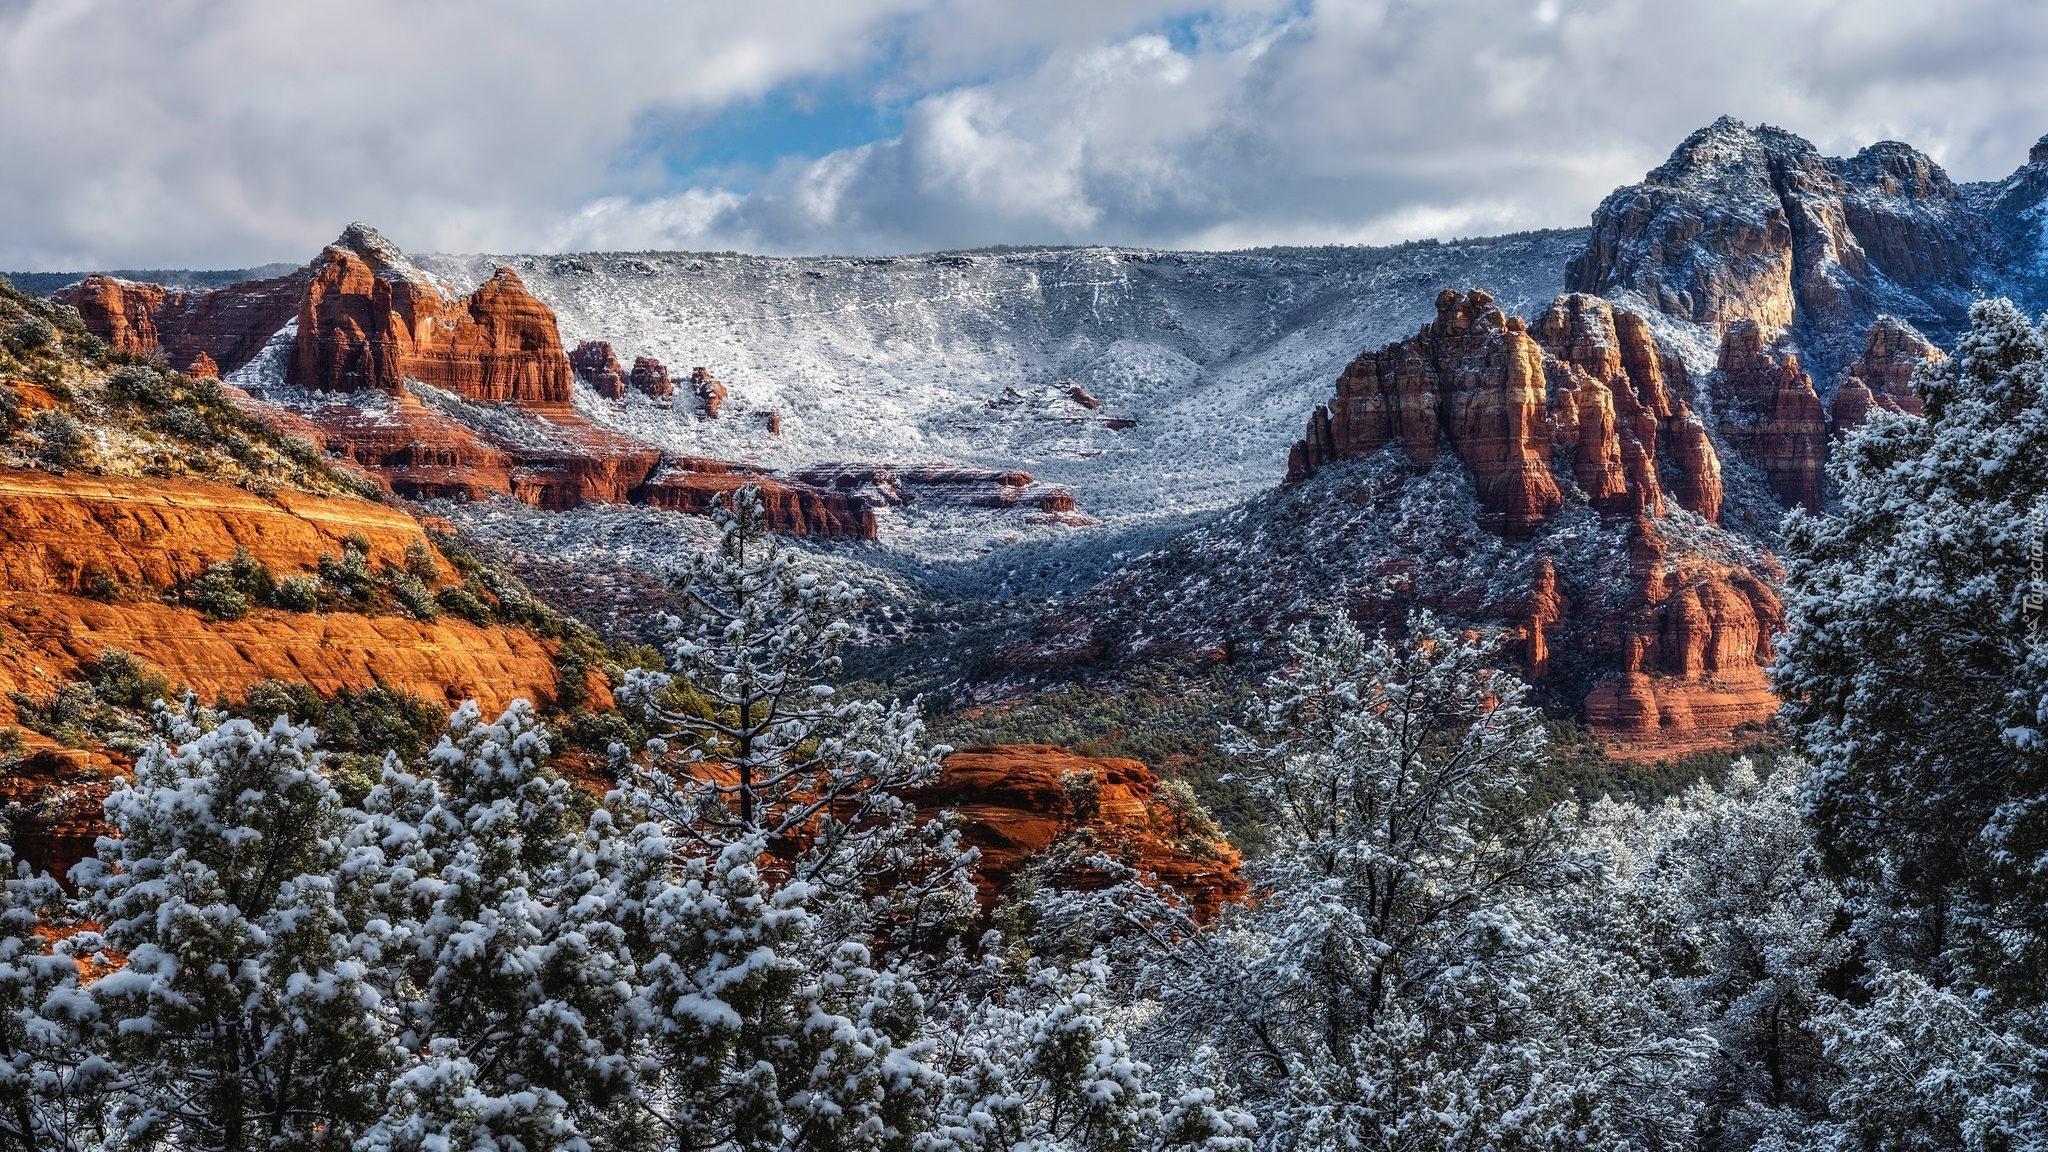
(1584, 398)
(1883, 376)
(1015, 805)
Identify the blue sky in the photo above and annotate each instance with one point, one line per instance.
(233, 132)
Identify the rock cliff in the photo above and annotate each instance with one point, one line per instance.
(1019, 801)
(227, 326)
(59, 536)
(371, 320)
(1755, 224)
(1586, 398)
(1769, 412)
(1883, 376)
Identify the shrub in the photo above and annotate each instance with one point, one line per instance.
(414, 596)
(268, 699)
(11, 741)
(297, 594)
(65, 443)
(462, 601)
(350, 573)
(216, 594)
(31, 332)
(122, 679)
(101, 586)
(141, 385)
(10, 413)
(253, 577)
(419, 560)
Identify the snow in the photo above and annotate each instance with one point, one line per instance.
(967, 357)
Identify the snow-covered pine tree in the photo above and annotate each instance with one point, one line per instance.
(755, 748)
(242, 1016)
(514, 1027)
(50, 1079)
(1916, 671)
(1415, 975)
(1723, 891)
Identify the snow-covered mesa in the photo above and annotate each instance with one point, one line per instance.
(972, 357)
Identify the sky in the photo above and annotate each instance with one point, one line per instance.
(228, 133)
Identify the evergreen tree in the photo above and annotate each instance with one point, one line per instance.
(1915, 675)
(1427, 967)
(756, 750)
(243, 1015)
(51, 1080)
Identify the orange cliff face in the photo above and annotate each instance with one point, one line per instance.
(1584, 403)
(1016, 804)
(60, 535)
(369, 320)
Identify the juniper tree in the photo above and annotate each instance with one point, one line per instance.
(242, 1014)
(51, 1080)
(1428, 965)
(1915, 674)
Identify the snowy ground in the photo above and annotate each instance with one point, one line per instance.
(968, 357)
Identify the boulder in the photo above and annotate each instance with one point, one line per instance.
(710, 391)
(596, 365)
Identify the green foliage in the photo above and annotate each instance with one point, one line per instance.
(349, 574)
(462, 600)
(217, 594)
(297, 594)
(100, 585)
(11, 741)
(101, 706)
(414, 597)
(122, 679)
(31, 334)
(1165, 715)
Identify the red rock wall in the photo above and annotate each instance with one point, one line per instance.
(370, 323)
(1768, 411)
(227, 326)
(693, 485)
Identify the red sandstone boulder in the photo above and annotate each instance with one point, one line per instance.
(710, 391)
(651, 379)
(203, 367)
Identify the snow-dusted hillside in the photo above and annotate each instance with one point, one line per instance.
(969, 357)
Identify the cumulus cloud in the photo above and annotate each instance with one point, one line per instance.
(196, 132)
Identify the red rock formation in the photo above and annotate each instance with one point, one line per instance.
(775, 423)
(58, 794)
(598, 366)
(57, 533)
(228, 325)
(1057, 500)
(695, 485)
(1590, 386)
(1079, 395)
(1544, 608)
(1769, 412)
(370, 320)
(1694, 640)
(573, 463)
(1883, 376)
(416, 452)
(203, 367)
(1016, 804)
(710, 391)
(650, 378)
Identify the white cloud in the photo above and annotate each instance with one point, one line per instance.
(219, 132)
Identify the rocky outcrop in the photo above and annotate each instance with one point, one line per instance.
(1883, 376)
(1769, 413)
(1754, 224)
(203, 368)
(414, 451)
(1694, 639)
(1018, 802)
(693, 484)
(597, 365)
(228, 326)
(1587, 394)
(59, 536)
(650, 378)
(371, 320)
(710, 392)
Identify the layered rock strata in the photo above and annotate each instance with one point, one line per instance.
(1588, 394)
(371, 320)
(228, 326)
(650, 378)
(1883, 376)
(1018, 802)
(597, 365)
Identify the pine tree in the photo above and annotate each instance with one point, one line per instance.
(519, 979)
(1429, 967)
(51, 1083)
(755, 749)
(1915, 674)
(243, 1015)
